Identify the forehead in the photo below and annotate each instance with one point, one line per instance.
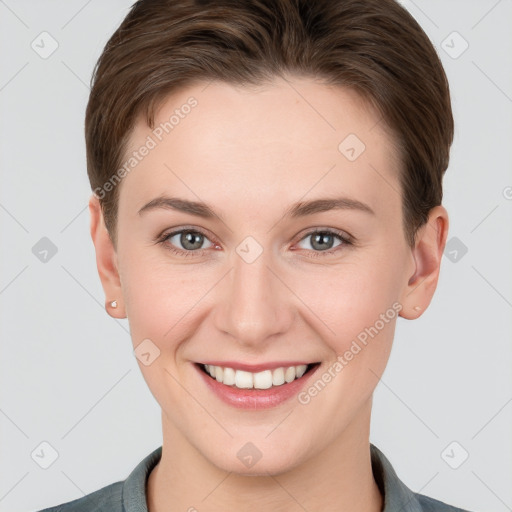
(276, 141)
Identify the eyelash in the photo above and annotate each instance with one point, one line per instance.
(345, 239)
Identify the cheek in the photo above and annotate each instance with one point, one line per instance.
(347, 299)
(160, 309)
(162, 300)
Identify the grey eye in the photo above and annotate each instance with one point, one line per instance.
(322, 240)
(189, 240)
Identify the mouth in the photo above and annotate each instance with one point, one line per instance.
(264, 379)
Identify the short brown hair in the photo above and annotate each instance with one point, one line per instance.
(374, 47)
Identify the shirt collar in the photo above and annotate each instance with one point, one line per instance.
(134, 487)
(396, 495)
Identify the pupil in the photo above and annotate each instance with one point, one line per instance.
(320, 237)
(188, 238)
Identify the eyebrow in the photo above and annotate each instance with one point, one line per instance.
(300, 209)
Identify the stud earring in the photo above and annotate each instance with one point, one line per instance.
(113, 304)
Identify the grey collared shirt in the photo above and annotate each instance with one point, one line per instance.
(130, 495)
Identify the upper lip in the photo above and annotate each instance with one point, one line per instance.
(253, 368)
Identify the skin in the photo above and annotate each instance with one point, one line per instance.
(250, 153)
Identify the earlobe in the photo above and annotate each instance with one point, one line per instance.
(106, 261)
(427, 253)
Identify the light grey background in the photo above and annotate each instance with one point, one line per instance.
(68, 375)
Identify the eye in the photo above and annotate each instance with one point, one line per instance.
(322, 241)
(185, 241)
(190, 242)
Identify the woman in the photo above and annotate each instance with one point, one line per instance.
(267, 186)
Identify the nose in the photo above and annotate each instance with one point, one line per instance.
(255, 306)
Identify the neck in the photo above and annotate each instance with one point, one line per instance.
(339, 478)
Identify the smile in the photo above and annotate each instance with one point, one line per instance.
(255, 386)
(256, 380)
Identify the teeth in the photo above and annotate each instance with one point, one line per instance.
(289, 374)
(229, 376)
(261, 380)
(300, 370)
(243, 379)
(278, 377)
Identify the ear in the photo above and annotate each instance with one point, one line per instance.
(427, 253)
(106, 260)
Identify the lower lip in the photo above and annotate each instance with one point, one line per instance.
(256, 398)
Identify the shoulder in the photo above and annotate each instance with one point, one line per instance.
(428, 504)
(106, 499)
(129, 494)
(397, 496)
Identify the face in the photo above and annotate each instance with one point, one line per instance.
(269, 275)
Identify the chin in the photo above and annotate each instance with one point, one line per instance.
(246, 459)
